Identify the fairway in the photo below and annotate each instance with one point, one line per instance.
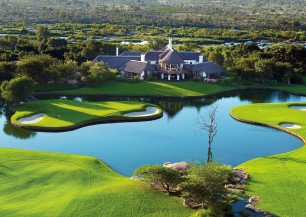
(52, 184)
(68, 114)
(279, 180)
(186, 88)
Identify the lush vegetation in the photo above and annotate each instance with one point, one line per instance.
(279, 179)
(44, 184)
(204, 184)
(16, 89)
(47, 59)
(68, 113)
(225, 13)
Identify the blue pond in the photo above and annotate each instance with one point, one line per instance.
(174, 137)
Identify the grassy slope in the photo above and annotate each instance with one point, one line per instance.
(186, 88)
(63, 113)
(279, 180)
(52, 184)
(300, 89)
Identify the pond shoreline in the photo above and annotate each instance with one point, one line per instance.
(270, 126)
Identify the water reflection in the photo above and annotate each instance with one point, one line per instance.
(171, 107)
(19, 133)
(126, 146)
(10, 129)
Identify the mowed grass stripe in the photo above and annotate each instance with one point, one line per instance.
(279, 180)
(186, 88)
(68, 113)
(53, 184)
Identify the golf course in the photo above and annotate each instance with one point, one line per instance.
(279, 180)
(69, 185)
(163, 89)
(68, 114)
(53, 184)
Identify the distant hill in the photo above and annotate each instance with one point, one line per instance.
(258, 14)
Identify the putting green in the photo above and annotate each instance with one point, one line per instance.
(279, 180)
(53, 184)
(68, 114)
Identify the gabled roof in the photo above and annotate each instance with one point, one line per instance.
(152, 55)
(130, 53)
(208, 68)
(138, 67)
(172, 57)
(115, 62)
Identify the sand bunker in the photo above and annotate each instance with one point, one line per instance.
(32, 119)
(299, 107)
(290, 126)
(149, 111)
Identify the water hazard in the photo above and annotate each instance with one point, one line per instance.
(174, 137)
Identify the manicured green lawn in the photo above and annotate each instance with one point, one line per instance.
(279, 180)
(53, 87)
(300, 89)
(53, 184)
(186, 88)
(67, 113)
(159, 88)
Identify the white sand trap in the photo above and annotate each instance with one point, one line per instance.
(32, 119)
(299, 107)
(149, 111)
(290, 126)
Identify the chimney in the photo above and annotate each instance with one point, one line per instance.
(117, 51)
(200, 59)
(170, 43)
(142, 58)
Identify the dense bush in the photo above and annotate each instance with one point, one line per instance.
(16, 89)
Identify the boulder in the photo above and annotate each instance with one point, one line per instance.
(179, 166)
(254, 199)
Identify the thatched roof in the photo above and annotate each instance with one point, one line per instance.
(172, 57)
(138, 67)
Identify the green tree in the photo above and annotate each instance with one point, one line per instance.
(282, 72)
(16, 89)
(263, 68)
(206, 183)
(66, 69)
(216, 57)
(38, 67)
(7, 71)
(167, 178)
(99, 72)
(42, 34)
(245, 68)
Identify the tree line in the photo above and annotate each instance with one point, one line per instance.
(281, 63)
(46, 59)
(260, 14)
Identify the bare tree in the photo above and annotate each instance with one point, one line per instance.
(208, 123)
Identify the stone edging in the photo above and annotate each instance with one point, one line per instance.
(101, 120)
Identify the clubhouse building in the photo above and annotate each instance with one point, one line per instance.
(167, 64)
